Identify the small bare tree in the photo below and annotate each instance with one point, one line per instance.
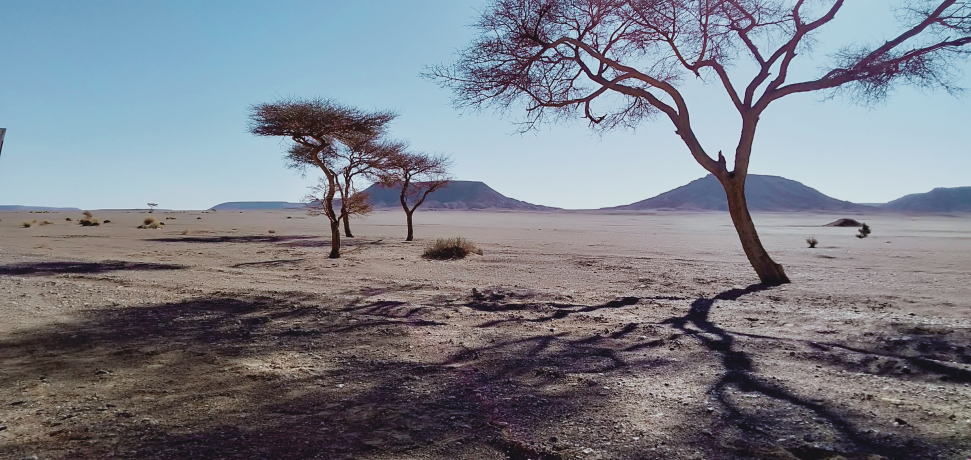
(418, 175)
(151, 207)
(318, 128)
(617, 62)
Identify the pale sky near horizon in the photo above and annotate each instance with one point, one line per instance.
(113, 104)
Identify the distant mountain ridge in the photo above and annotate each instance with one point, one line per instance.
(459, 194)
(763, 193)
(256, 205)
(955, 199)
(17, 207)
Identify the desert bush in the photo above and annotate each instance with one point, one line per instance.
(864, 231)
(27, 223)
(68, 219)
(450, 249)
(106, 221)
(271, 231)
(149, 221)
(812, 241)
(46, 222)
(89, 220)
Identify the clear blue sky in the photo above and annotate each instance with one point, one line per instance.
(112, 104)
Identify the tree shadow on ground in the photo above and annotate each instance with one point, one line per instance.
(233, 239)
(56, 268)
(261, 377)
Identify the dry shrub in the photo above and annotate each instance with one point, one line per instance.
(106, 221)
(68, 219)
(149, 221)
(28, 223)
(89, 220)
(812, 241)
(272, 231)
(450, 249)
(46, 222)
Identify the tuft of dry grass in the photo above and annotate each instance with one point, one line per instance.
(812, 241)
(28, 223)
(451, 249)
(148, 221)
(46, 222)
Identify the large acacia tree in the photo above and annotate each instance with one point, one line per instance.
(320, 130)
(617, 62)
(417, 175)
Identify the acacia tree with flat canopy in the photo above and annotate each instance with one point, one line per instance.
(317, 128)
(617, 62)
(418, 175)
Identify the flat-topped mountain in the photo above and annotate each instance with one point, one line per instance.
(764, 193)
(256, 205)
(953, 199)
(459, 194)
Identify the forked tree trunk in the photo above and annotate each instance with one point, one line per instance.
(411, 228)
(770, 273)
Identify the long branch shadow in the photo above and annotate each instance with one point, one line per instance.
(740, 375)
(56, 268)
(232, 239)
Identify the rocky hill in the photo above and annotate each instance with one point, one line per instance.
(954, 199)
(460, 194)
(764, 193)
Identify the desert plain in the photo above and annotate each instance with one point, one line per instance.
(588, 336)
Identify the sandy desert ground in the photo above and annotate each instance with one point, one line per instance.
(594, 336)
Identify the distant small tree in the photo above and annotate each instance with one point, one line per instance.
(318, 128)
(864, 231)
(151, 207)
(418, 175)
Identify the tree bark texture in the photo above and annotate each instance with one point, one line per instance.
(769, 272)
(347, 225)
(411, 228)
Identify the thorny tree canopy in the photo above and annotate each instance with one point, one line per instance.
(316, 126)
(616, 62)
(418, 174)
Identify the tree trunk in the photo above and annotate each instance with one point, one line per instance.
(770, 273)
(335, 239)
(347, 224)
(411, 228)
